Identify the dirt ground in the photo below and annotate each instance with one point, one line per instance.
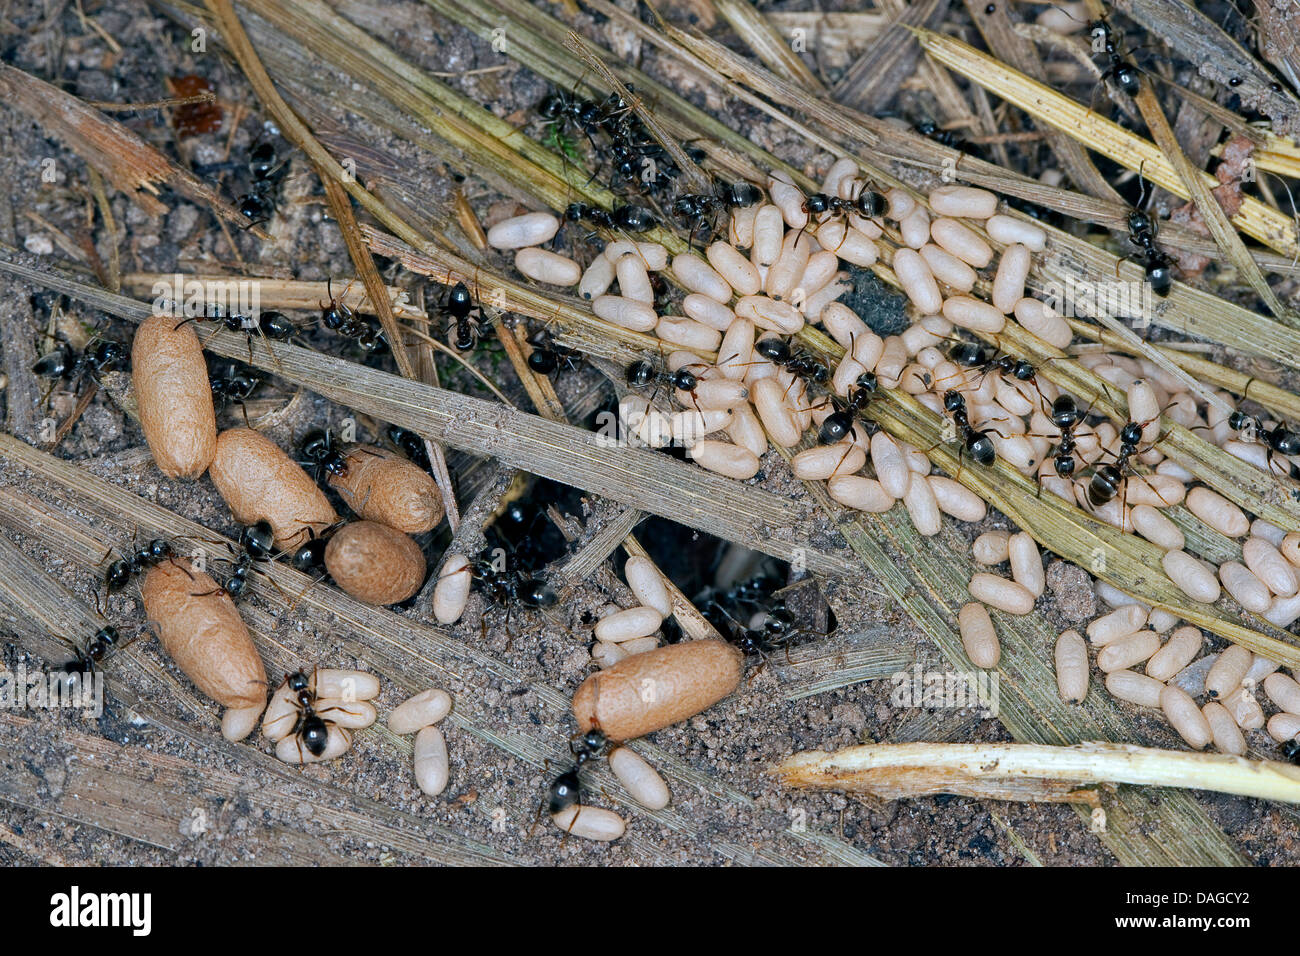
(151, 782)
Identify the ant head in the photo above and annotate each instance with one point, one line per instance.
(816, 203)
(297, 681)
(953, 400)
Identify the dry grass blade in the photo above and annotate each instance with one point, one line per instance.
(896, 770)
(123, 158)
(1042, 102)
(294, 294)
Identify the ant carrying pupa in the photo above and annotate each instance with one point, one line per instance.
(299, 718)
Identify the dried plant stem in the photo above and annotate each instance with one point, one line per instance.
(892, 770)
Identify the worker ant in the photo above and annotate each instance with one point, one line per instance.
(311, 727)
(411, 444)
(120, 572)
(233, 385)
(1278, 438)
(644, 373)
(320, 454)
(273, 326)
(548, 356)
(86, 661)
(1106, 479)
(256, 543)
(838, 425)
(1291, 750)
(1066, 416)
(868, 204)
(1119, 69)
(264, 171)
(802, 365)
(975, 441)
(944, 137)
(63, 362)
(702, 209)
(565, 790)
(341, 318)
(1142, 228)
(460, 309)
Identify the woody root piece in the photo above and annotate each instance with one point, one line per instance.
(1031, 772)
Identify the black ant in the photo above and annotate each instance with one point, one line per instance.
(411, 444)
(944, 137)
(501, 587)
(459, 307)
(838, 425)
(1066, 417)
(86, 661)
(1278, 438)
(976, 442)
(320, 453)
(548, 356)
(233, 385)
(702, 209)
(1106, 479)
(868, 204)
(274, 326)
(64, 362)
(311, 729)
(1291, 750)
(256, 543)
(565, 790)
(803, 365)
(341, 318)
(258, 204)
(1142, 228)
(986, 359)
(119, 573)
(1119, 69)
(643, 373)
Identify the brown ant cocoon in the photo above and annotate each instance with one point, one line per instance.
(1008, 230)
(708, 312)
(590, 823)
(1283, 691)
(974, 314)
(915, 228)
(1009, 283)
(1000, 593)
(374, 563)
(238, 722)
(789, 267)
(1128, 651)
(384, 487)
(1216, 511)
(698, 276)
(1268, 564)
(634, 280)
(650, 691)
(261, 483)
(732, 461)
(200, 629)
(170, 380)
(688, 334)
(1071, 667)
(1244, 588)
(1228, 671)
(628, 313)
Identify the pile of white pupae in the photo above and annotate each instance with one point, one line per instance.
(1175, 674)
(778, 271)
(343, 699)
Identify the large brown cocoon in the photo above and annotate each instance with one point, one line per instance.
(170, 379)
(375, 563)
(259, 481)
(204, 634)
(383, 487)
(681, 680)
